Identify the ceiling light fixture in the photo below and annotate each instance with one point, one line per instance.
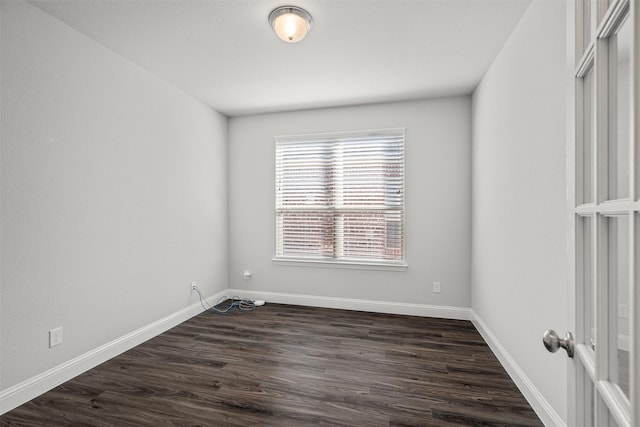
(290, 23)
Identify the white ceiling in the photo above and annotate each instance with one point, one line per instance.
(224, 52)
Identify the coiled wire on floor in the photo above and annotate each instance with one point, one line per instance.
(237, 303)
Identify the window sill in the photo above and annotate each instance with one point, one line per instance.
(357, 265)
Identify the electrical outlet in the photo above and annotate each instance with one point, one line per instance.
(193, 287)
(436, 287)
(55, 337)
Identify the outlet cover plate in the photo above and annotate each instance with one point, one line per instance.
(55, 337)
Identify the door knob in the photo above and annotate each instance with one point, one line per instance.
(553, 342)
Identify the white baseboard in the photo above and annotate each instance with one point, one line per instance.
(25, 391)
(409, 309)
(540, 405)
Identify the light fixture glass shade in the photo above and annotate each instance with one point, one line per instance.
(290, 23)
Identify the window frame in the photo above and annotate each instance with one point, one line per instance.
(336, 262)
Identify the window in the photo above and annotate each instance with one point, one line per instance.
(340, 197)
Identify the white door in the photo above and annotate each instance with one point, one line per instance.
(604, 379)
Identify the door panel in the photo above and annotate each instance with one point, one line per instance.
(619, 292)
(606, 213)
(619, 119)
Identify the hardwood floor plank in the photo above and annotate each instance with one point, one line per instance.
(284, 365)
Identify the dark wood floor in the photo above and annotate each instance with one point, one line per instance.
(286, 365)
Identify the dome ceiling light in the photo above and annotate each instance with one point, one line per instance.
(291, 23)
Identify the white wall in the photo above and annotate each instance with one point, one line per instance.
(114, 194)
(437, 203)
(519, 252)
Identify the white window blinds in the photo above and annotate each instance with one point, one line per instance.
(340, 196)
